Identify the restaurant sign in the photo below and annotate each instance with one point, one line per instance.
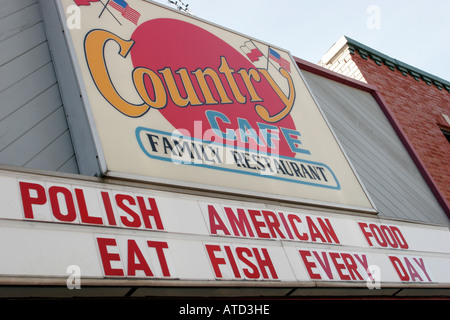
(178, 100)
(113, 231)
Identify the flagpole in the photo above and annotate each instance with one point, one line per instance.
(268, 55)
(105, 7)
(268, 61)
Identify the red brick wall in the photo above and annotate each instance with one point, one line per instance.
(418, 108)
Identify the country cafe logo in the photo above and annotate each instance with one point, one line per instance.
(229, 106)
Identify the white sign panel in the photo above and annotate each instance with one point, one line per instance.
(113, 231)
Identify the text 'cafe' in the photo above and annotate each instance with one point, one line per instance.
(165, 155)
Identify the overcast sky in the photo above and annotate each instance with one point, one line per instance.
(412, 31)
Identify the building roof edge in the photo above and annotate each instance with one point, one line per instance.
(381, 58)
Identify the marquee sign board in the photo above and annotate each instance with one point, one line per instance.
(113, 231)
(175, 99)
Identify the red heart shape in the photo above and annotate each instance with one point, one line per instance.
(162, 43)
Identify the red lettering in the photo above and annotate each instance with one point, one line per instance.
(240, 224)
(233, 263)
(286, 226)
(408, 268)
(71, 214)
(339, 266)
(159, 247)
(254, 262)
(399, 268)
(135, 258)
(384, 235)
(67, 205)
(252, 272)
(378, 235)
(421, 265)
(273, 224)
(258, 224)
(135, 222)
(304, 254)
(351, 266)
(108, 208)
(135, 252)
(266, 224)
(362, 260)
(107, 257)
(324, 263)
(328, 230)
(389, 236)
(84, 214)
(399, 236)
(265, 263)
(412, 271)
(215, 222)
(152, 212)
(215, 261)
(28, 201)
(345, 265)
(314, 232)
(366, 233)
(291, 218)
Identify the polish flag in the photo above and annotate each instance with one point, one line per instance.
(84, 2)
(251, 51)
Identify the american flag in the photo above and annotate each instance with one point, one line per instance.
(281, 61)
(127, 12)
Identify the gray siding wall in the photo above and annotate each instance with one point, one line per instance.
(33, 127)
(391, 178)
